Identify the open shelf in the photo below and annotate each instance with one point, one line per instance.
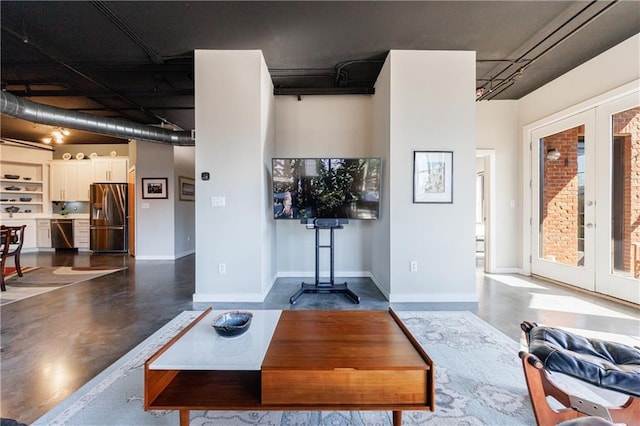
(35, 171)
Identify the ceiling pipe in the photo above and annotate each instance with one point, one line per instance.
(53, 116)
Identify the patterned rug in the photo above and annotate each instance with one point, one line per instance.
(10, 271)
(38, 280)
(479, 381)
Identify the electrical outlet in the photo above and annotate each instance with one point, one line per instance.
(413, 266)
(222, 268)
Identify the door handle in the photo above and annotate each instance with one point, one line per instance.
(590, 225)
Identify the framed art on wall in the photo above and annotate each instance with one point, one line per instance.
(154, 188)
(187, 188)
(433, 176)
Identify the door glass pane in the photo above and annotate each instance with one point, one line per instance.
(625, 195)
(562, 197)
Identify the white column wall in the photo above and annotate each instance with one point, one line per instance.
(267, 147)
(381, 232)
(432, 107)
(231, 143)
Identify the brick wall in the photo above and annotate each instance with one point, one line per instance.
(627, 124)
(560, 199)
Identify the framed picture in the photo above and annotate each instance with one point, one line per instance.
(154, 188)
(433, 176)
(187, 188)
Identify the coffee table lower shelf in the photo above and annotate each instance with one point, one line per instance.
(240, 391)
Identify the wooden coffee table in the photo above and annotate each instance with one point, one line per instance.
(293, 360)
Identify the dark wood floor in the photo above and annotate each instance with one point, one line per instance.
(53, 343)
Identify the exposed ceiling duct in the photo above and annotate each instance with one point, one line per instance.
(44, 114)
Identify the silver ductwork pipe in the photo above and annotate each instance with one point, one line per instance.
(44, 114)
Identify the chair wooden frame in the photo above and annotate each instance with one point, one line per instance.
(4, 250)
(16, 238)
(540, 386)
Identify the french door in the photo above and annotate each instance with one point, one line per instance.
(563, 220)
(586, 199)
(619, 180)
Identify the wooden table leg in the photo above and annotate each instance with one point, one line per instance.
(184, 417)
(397, 418)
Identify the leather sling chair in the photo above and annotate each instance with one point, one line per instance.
(607, 365)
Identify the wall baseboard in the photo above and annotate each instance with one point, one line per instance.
(155, 257)
(434, 298)
(506, 271)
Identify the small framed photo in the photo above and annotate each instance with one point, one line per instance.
(154, 188)
(433, 176)
(187, 188)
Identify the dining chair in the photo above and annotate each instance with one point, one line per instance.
(16, 239)
(4, 250)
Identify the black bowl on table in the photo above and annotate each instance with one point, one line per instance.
(232, 323)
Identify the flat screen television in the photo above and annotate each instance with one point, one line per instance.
(319, 188)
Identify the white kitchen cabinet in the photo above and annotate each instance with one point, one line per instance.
(84, 180)
(63, 177)
(81, 233)
(70, 180)
(43, 236)
(110, 169)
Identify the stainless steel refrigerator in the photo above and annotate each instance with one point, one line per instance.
(109, 220)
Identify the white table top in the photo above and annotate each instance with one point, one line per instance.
(201, 348)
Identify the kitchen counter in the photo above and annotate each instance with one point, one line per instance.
(68, 216)
(32, 216)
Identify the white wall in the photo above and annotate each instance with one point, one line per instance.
(185, 216)
(432, 107)
(155, 218)
(323, 126)
(614, 68)
(497, 130)
(233, 127)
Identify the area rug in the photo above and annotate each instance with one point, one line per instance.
(479, 381)
(38, 280)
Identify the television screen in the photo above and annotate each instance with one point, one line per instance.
(317, 188)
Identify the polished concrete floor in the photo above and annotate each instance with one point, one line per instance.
(53, 343)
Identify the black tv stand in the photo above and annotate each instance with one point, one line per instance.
(325, 287)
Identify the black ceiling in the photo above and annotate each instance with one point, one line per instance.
(134, 59)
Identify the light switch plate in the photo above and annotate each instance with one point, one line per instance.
(218, 201)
